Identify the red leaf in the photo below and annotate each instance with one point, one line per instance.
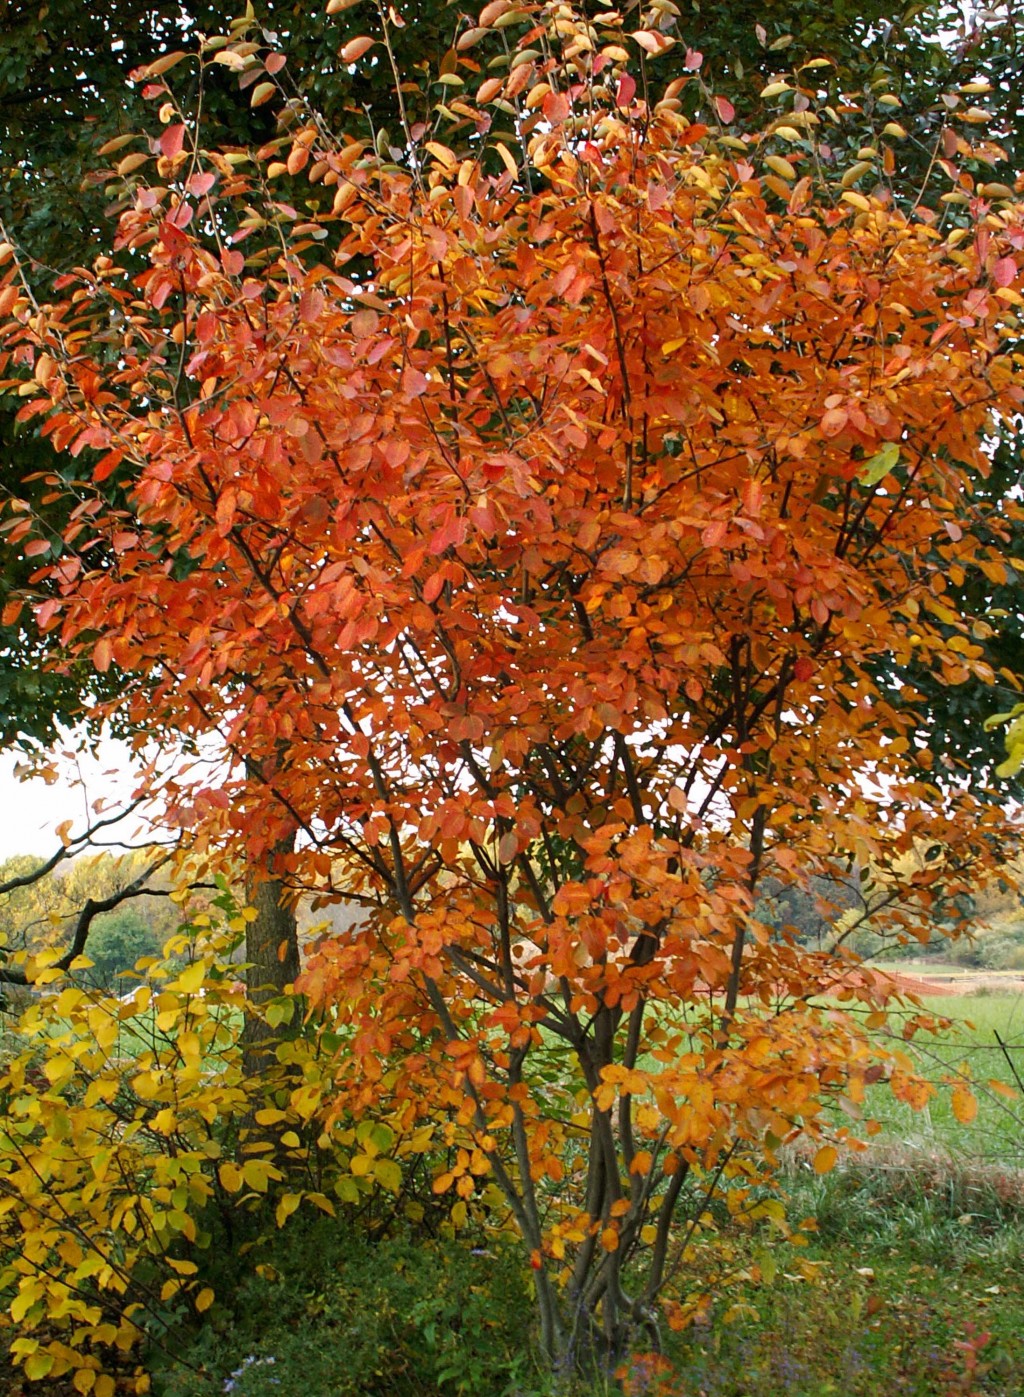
(106, 466)
(833, 422)
(726, 110)
(451, 533)
(202, 182)
(626, 91)
(311, 305)
(1004, 273)
(413, 382)
(433, 586)
(172, 141)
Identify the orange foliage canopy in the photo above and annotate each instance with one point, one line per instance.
(540, 554)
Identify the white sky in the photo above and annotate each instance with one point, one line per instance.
(30, 811)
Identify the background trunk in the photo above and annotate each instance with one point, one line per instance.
(271, 950)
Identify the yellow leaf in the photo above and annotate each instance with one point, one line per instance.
(610, 1239)
(108, 148)
(230, 1176)
(826, 1159)
(506, 158)
(287, 1205)
(257, 1174)
(781, 166)
(132, 162)
(162, 65)
(855, 172)
(262, 92)
(191, 978)
(204, 1299)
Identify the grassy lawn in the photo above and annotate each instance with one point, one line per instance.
(970, 1048)
(875, 1317)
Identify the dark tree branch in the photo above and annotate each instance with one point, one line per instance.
(25, 880)
(95, 907)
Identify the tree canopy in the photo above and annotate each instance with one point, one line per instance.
(65, 90)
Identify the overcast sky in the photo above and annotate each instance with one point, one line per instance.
(30, 811)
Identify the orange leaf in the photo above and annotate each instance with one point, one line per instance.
(825, 1159)
(103, 653)
(965, 1104)
(355, 48)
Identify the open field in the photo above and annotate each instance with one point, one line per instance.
(928, 978)
(984, 1049)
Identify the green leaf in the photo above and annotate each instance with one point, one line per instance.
(38, 1365)
(388, 1173)
(382, 1136)
(876, 467)
(280, 1012)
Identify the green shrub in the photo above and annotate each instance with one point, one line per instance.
(322, 1310)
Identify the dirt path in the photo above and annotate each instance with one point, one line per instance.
(953, 981)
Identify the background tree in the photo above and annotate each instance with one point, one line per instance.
(60, 902)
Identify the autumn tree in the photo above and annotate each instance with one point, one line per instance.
(525, 522)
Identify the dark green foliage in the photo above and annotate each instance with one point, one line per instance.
(808, 913)
(339, 1315)
(118, 940)
(893, 1294)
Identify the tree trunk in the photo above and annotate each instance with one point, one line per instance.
(271, 950)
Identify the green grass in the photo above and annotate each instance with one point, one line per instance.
(968, 1051)
(873, 1322)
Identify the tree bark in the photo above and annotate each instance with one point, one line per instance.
(271, 951)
